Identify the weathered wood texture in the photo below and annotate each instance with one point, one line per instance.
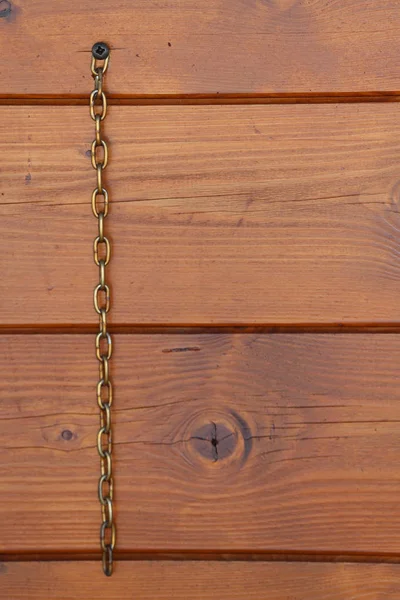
(222, 443)
(141, 580)
(220, 215)
(186, 47)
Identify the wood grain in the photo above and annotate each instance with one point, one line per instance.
(223, 443)
(142, 580)
(214, 48)
(221, 215)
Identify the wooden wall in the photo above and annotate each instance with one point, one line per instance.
(255, 188)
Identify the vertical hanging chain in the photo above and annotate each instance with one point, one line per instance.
(101, 253)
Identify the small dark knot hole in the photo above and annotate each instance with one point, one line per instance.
(67, 434)
(5, 8)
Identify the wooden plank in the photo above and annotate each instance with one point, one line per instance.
(183, 47)
(221, 215)
(142, 580)
(223, 443)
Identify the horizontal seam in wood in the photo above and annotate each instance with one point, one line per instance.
(90, 329)
(220, 556)
(239, 98)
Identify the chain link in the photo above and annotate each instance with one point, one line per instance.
(103, 345)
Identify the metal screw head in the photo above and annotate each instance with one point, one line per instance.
(100, 50)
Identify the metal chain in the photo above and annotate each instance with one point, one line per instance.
(102, 253)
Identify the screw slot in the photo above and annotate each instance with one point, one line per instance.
(100, 50)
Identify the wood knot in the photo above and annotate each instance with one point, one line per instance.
(216, 439)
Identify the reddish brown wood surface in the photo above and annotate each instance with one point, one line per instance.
(214, 48)
(220, 215)
(247, 446)
(223, 443)
(141, 580)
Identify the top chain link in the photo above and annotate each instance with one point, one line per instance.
(103, 345)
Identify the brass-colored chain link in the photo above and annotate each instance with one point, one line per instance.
(102, 254)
